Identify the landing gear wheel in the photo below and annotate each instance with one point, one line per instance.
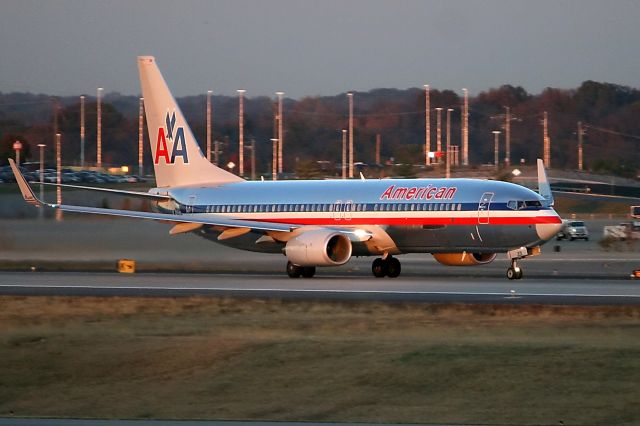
(379, 268)
(518, 274)
(308, 271)
(393, 267)
(294, 271)
(514, 273)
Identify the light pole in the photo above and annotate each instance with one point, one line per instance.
(344, 154)
(507, 136)
(280, 135)
(546, 142)
(241, 93)
(41, 149)
(465, 128)
(82, 133)
(427, 125)
(252, 147)
(438, 132)
(141, 137)
(350, 96)
(496, 137)
(580, 135)
(274, 163)
(448, 153)
(58, 175)
(209, 92)
(99, 129)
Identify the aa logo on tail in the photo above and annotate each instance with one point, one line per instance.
(176, 135)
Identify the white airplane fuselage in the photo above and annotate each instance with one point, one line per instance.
(419, 215)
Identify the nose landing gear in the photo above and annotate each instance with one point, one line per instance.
(514, 272)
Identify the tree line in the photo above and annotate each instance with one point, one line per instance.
(313, 126)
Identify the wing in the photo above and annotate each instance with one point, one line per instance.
(209, 219)
(282, 231)
(111, 191)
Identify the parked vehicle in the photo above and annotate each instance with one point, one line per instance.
(624, 231)
(573, 230)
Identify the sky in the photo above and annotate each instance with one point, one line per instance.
(308, 48)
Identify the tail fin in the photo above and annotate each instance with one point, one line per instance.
(177, 158)
(544, 188)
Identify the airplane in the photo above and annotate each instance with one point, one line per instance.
(317, 223)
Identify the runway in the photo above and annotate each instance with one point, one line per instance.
(338, 287)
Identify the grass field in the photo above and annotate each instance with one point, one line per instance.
(197, 358)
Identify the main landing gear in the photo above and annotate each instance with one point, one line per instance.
(295, 271)
(386, 267)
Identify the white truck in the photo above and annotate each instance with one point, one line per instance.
(624, 231)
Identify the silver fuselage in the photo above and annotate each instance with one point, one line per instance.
(419, 215)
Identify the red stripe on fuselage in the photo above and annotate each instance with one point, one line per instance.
(402, 221)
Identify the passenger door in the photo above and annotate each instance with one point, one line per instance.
(484, 208)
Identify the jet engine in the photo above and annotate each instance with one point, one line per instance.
(319, 248)
(464, 258)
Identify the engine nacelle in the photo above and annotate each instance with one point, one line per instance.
(319, 248)
(464, 259)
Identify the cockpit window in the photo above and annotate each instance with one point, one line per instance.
(519, 205)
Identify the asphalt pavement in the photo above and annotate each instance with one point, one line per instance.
(565, 272)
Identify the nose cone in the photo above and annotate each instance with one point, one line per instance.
(546, 231)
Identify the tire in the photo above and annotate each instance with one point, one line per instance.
(379, 268)
(511, 274)
(393, 267)
(308, 271)
(518, 273)
(293, 271)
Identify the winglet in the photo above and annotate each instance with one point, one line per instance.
(27, 192)
(544, 188)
